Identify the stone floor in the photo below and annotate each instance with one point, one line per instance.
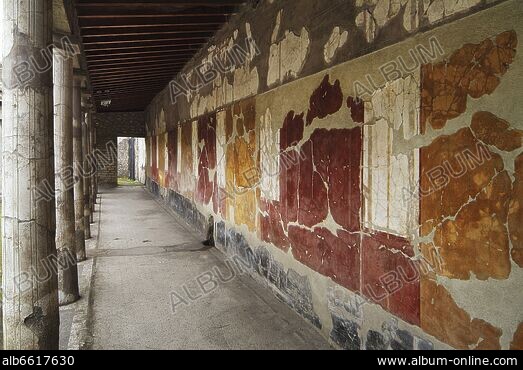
(144, 255)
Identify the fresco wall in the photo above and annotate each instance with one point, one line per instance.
(379, 197)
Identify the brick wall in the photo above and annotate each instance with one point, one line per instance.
(120, 124)
(106, 150)
(110, 126)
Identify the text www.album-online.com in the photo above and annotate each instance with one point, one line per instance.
(443, 361)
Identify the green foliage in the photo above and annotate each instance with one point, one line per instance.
(124, 181)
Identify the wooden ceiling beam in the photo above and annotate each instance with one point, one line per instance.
(189, 52)
(198, 39)
(128, 47)
(156, 4)
(147, 12)
(150, 21)
(148, 25)
(164, 60)
(134, 48)
(145, 63)
(141, 57)
(135, 77)
(111, 52)
(129, 91)
(144, 87)
(148, 38)
(114, 85)
(108, 71)
(131, 72)
(150, 77)
(127, 33)
(107, 85)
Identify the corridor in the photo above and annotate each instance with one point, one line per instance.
(144, 254)
(261, 174)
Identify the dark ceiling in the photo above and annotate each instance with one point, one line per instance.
(133, 49)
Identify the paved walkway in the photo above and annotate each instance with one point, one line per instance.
(144, 254)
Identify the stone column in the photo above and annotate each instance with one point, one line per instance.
(68, 291)
(30, 295)
(79, 172)
(92, 195)
(95, 176)
(87, 166)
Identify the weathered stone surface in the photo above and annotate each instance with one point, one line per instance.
(288, 56)
(495, 131)
(474, 70)
(357, 109)
(345, 333)
(376, 15)
(328, 254)
(30, 312)
(424, 345)
(220, 234)
(289, 181)
(68, 290)
(291, 132)
(78, 172)
(245, 163)
(312, 192)
(237, 245)
(337, 157)
(154, 159)
(291, 288)
(271, 226)
(298, 294)
(515, 213)
(476, 241)
(161, 142)
(230, 173)
(517, 341)
(402, 341)
(245, 209)
(375, 341)
(269, 159)
(207, 158)
(325, 100)
(392, 338)
(185, 174)
(467, 213)
(337, 39)
(388, 173)
(322, 210)
(172, 150)
(444, 195)
(389, 277)
(242, 166)
(444, 319)
(318, 179)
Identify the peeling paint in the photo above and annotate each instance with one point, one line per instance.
(343, 196)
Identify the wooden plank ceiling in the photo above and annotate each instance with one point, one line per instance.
(133, 49)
